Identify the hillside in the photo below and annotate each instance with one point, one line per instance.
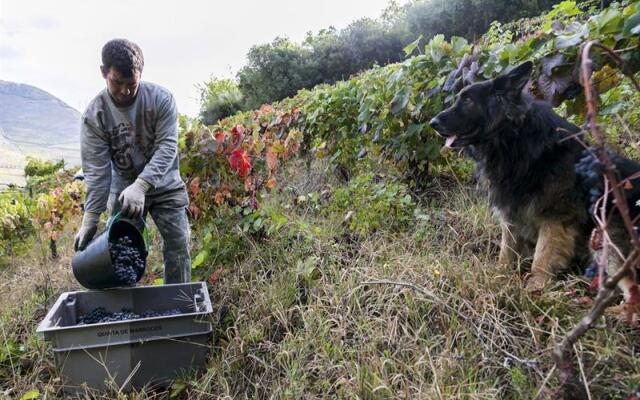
(346, 255)
(34, 123)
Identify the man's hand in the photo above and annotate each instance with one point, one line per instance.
(132, 198)
(87, 230)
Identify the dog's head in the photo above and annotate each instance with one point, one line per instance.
(481, 107)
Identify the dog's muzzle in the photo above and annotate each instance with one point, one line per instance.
(435, 124)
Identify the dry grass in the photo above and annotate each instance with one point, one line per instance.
(424, 312)
(36, 272)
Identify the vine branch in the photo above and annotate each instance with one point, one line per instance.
(606, 292)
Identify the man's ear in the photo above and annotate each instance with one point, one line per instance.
(514, 80)
(105, 71)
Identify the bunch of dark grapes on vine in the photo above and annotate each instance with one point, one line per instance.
(100, 315)
(591, 271)
(589, 171)
(127, 260)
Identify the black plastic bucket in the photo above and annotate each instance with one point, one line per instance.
(93, 266)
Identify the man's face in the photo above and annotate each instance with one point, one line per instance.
(122, 90)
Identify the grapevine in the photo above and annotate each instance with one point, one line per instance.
(55, 208)
(15, 221)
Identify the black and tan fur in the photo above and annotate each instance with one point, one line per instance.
(526, 154)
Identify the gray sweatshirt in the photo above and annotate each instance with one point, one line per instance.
(119, 145)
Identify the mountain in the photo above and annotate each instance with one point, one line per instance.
(34, 123)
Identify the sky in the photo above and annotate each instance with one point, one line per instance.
(55, 44)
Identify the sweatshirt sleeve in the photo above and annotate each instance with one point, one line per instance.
(96, 166)
(166, 143)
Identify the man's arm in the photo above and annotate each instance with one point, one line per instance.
(166, 143)
(96, 165)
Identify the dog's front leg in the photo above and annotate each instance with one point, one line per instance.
(554, 249)
(507, 246)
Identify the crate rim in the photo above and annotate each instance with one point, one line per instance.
(46, 325)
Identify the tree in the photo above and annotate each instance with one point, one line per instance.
(279, 69)
(275, 71)
(219, 98)
(467, 18)
(369, 42)
(330, 58)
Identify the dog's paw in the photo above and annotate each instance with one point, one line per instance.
(617, 311)
(503, 260)
(535, 283)
(624, 313)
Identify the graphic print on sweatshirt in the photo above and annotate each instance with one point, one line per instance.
(121, 149)
(130, 152)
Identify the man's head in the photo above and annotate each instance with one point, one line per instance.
(122, 64)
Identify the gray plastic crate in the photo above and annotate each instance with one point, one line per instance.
(146, 352)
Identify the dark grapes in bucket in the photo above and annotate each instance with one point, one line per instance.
(127, 260)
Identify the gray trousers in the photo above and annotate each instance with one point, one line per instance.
(169, 213)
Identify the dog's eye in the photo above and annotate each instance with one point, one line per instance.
(467, 100)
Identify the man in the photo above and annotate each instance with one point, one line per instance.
(129, 149)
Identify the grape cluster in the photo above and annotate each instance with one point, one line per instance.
(95, 316)
(100, 315)
(591, 271)
(127, 260)
(589, 171)
(152, 314)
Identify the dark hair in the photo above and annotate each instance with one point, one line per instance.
(123, 55)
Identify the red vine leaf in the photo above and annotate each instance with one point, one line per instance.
(194, 211)
(219, 137)
(272, 160)
(218, 198)
(249, 184)
(238, 130)
(214, 277)
(240, 162)
(266, 108)
(194, 186)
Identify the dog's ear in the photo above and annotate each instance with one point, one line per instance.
(514, 80)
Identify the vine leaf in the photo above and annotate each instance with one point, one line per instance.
(400, 101)
(632, 24)
(576, 34)
(554, 78)
(410, 48)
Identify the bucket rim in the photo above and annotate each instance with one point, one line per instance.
(146, 237)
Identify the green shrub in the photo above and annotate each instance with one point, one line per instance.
(38, 167)
(16, 213)
(219, 98)
(370, 204)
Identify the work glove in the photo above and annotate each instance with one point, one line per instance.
(87, 230)
(132, 198)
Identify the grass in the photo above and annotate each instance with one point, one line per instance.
(317, 311)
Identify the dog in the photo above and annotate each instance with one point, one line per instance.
(527, 155)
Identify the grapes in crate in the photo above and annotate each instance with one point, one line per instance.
(100, 315)
(127, 260)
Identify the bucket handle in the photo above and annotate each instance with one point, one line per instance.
(145, 231)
